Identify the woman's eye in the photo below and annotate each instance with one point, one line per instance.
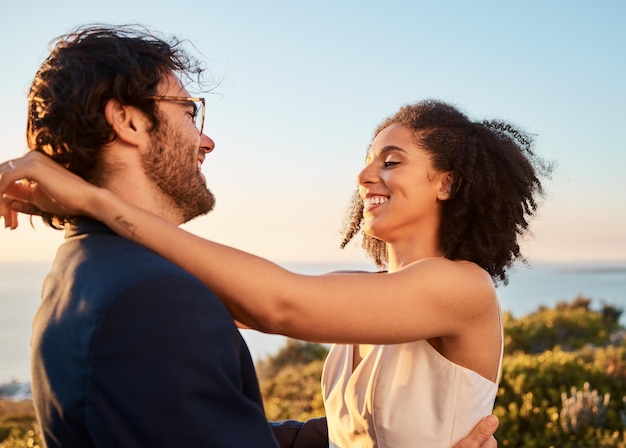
(389, 164)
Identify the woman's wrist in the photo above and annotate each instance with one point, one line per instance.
(99, 200)
(105, 206)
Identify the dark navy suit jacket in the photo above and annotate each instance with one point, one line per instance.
(129, 350)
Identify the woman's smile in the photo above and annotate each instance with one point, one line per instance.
(372, 202)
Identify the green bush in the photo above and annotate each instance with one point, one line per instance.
(570, 325)
(294, 393)
(529, 401)
(294, 353)
(18, 427)
(290, 381)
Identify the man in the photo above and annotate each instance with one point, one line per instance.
(128, 349)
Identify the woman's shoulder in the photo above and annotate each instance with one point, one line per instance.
(459, 281)
(453, 269)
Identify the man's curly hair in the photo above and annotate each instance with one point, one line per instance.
(496, 185)
(84, 70)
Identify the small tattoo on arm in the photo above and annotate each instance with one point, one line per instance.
(128, 226)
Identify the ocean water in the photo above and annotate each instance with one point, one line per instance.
(529, 287)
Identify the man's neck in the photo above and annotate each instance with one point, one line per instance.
(140, 192)
(129, 182)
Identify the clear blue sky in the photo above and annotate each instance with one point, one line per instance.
(305, 83)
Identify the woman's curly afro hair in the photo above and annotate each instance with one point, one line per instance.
(496, 185)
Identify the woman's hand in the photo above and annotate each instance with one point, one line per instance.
(35, 183)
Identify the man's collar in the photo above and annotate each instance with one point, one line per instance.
(85, 225)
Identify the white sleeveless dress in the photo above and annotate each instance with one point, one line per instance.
(403, 395)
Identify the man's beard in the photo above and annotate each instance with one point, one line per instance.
(172, 166)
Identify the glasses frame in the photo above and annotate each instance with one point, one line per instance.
(194, 100)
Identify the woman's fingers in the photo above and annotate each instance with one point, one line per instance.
(40, 182)
(25, 207)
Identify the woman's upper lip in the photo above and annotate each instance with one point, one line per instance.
(370, 194)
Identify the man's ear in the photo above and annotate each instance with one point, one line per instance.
(128, 123)
(445, 187)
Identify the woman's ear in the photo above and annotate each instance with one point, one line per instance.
(445, 187)
(129, 123)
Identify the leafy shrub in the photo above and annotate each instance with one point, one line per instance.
(294, 353)
(583, 409)
(294, 393)
(18, 427)
(569, 325)
(290, 381)
(529, 401)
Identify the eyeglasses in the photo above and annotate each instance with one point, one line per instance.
(198, 107)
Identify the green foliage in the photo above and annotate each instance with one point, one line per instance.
(530, 400)
(294, 353)
(553, 352)
(18, 427)
(583, 409)
(294, 393)
(570, 325)
(290, 381)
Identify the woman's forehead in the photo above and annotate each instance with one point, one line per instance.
(393, 138)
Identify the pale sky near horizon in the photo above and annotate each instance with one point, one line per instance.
(304, 84)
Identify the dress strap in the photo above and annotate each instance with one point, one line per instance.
(501, 344)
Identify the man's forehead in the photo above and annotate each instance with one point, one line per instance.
(171, 85)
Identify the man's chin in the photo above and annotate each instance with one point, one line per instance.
(205, 204)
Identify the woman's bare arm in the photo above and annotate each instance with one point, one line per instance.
(431, 298)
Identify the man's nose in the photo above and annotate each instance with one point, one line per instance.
(206, 143)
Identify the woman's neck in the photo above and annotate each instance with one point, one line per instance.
(400, 257)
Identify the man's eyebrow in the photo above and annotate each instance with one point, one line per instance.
(188, 105)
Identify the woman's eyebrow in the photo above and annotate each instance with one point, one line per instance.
(391, 148)
(384, 150)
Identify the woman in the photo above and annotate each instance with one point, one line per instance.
(442, 201)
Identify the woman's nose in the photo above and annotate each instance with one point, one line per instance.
(367, 175)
